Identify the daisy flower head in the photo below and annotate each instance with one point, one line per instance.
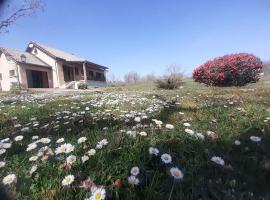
(98, 193)
(132, 180)
(18, 138)
(9, 179)
(153, 151)
(60, 140)
(84, 158)
(31, 146)
(81, 140)
(189, 131)
(176, 173)
(2, 164)
(143, 133)
(2, 151)
(166, 158)
(69, 179)
(137, 119)
(218, 160)
(169, 126)
(71, 159)
(237, 142)
(91, 152)
(135, 171)
(187, 124)
(255, 138)
(64, 148)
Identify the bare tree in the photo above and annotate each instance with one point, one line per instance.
(11, 13)
(132, 77)
(150, 77)
(266, 68)
(172, 79)
(174, 70)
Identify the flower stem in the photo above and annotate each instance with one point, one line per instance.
(171, 191)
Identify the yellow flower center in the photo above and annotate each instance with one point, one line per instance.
(176, 173)
(97, 195)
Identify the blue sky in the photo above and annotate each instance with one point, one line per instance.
(148, 35)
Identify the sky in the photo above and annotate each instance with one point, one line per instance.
(147, 36)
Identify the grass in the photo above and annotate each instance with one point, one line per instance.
(229, 113)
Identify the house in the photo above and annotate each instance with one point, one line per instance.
(41, 66)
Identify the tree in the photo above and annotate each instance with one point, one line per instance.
(10, 13)
(266, 68)
(172, 79)
(174, 70)
(132, 77)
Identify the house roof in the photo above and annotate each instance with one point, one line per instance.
(59, 54)
(16, 56)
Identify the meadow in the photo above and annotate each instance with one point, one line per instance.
(137, 142)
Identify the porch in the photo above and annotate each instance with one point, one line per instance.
(70, 73)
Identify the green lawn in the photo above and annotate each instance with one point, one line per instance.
(225, 118)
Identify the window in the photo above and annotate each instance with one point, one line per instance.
(91, 74)
(1, 77)
(98, 75)
(11, 73)
(35, 51)
(76, 71)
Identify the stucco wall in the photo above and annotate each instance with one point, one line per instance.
(50, 61)
(5, 66)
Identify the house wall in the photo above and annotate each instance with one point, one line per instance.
(5, 67)
(23, 75)
(50, 61)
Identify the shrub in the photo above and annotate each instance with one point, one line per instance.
(229, 70)
(82, 86)
(169, 82)
(15, 88)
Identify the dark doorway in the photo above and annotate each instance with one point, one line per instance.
(68, 73)
(37, 79)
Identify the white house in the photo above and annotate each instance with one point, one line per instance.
(41, 66)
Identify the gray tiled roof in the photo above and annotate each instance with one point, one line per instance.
(59, 54)
(16, 55)
(56, 53)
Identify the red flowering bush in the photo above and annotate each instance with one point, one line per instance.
(229, 70)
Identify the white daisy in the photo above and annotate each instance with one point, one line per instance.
(84, 158)
(71, 159)
(18, 138)
(176, 173)
(255, 138)
(135, 171)
(143, 133)
(237, 142)
(60, 140)
(2, 151)
(81, 140)
(69, 179)
(189, 131)
(31, 146)
(9, 179)
(132, 180)
(187, 124)
(97, 193)
(169, 126)
(166, 158)
(2, 164)
(218, 160)
(91, 152)
(137, 119)
(33, 158)
(153, 151)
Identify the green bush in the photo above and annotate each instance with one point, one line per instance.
(82, 86)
